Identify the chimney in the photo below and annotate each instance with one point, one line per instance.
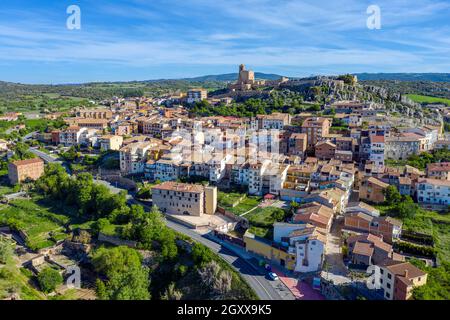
(406, 273)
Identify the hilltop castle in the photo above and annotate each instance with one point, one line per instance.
(246, 81)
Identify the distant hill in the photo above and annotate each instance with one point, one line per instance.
(232, 77)
(435, 77)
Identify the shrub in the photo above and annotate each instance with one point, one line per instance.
(415, 249)
(49, 279)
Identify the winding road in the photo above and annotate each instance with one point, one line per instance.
(265, 289)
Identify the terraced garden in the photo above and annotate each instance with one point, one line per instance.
(42, 224)
(430, 223)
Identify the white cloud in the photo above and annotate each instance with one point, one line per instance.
(290, 35)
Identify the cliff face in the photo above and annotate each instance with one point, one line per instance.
(328, 90)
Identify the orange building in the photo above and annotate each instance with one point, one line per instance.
(19, 171)
(386, 227)
(398, 279)
(315, 128)
(325, 150)
(297, 144)
(372, 189)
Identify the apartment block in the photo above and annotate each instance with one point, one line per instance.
(184, 199)
(401, 147)
(297, 144)
(95, 113)
(439, 171)
(196, 95)
(273, 121)
(325, 150)
(315, 128)
(72, 136)
(134, 156)
(433, 191)
(110, 142)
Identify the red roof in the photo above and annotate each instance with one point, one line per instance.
(377, 139)
(27, 162)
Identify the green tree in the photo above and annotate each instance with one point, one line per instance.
(100, 225)
(278, 214)
(71, 154)
(171, 293)
(6, 250)
(127, 279)
(54, 183)
(294, 206)
(438, 282)
(144, 193)
(21, 152)
(406, 208)
(392, 195)
(201, 254)
(347, 78)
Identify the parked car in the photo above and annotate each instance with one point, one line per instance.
(273, 276)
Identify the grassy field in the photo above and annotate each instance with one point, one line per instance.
(227, 199)
(431, 223)
(427, 99)
(6, 190)
(395, 163)
(111, 230)
(262, 217)
(435, 224)
(262, 232)
(42, 223)
(12, 280)
(245, 205)
(261, 221)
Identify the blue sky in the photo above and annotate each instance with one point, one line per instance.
(122, 40)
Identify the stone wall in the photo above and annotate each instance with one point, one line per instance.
(116, 241)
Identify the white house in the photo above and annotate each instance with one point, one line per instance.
(305, 241)
(433, 191)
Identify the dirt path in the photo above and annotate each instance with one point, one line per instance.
(337, 272)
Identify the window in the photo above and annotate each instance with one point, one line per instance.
(388, 285)
(388, 295)
(389, 276)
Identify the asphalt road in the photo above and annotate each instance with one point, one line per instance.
(258, 282)
(44, 156)
(29, 135)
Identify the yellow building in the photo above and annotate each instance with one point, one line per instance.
(266, 249)
(210, 200)
(111, 142)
